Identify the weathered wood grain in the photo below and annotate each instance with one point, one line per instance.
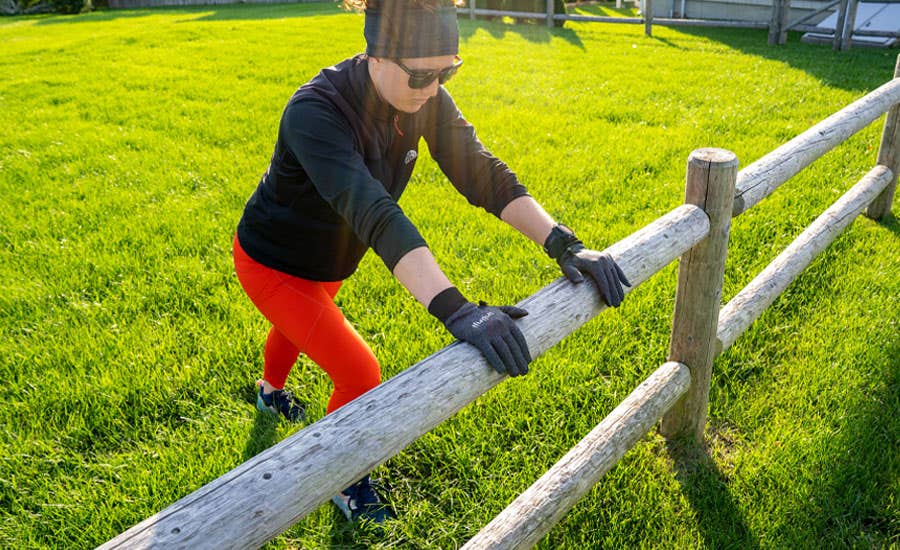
(847, 38)
(270, 492)
(530, 516)
(750, 302)
(838, 37)
(710, 185)
(888, 155)
(758, 180)
(778, 25)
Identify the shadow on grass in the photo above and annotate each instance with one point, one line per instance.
(218, 12)
(262, 436)
(532, 32)
(270, 11)
(607, 9)
(719, 520)
(891, 222)
(853, 502)
(859, 69)
(856, 502)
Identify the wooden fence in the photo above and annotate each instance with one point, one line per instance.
(134, 4)
(842, 33)
(777, 26)
(239, 510)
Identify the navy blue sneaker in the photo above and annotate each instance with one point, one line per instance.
(360, 501)
(280, 402)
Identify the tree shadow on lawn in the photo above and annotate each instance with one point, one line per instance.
(532, 32)
(858, 69)
(217, 12)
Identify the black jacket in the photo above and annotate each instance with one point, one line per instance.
(342, 159)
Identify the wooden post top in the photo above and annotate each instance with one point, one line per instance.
(714, 155)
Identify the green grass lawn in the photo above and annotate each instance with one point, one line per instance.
(130, 140)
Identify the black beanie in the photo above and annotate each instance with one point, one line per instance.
(396, 31)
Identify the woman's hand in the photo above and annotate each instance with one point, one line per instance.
(492, 330)
(600, 267)
(574, 259)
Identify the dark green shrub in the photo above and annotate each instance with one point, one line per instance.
(533, 6)
(71, 6)
(537, 6)
(490, 5)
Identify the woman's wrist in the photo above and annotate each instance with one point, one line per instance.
(446, 302)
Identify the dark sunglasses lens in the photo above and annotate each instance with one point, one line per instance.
(447, 74)
(421, 80)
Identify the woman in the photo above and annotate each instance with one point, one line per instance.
(346, 147)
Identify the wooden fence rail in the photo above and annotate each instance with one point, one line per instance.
(536, 511)
(760, 179)
(750, 302)
(778, 25)
(546, 501)
(239, 509)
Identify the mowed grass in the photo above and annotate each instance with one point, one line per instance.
(130, 140)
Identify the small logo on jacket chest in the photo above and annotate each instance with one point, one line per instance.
(410, 156)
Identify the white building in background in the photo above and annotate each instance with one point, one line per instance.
(870, 16)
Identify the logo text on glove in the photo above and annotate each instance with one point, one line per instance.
(484, 318)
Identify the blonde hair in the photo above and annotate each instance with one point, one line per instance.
(362, 5)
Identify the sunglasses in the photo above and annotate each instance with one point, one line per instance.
(420, 78)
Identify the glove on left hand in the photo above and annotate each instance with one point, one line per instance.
(574, 259)
(491, 329)
(601, 268)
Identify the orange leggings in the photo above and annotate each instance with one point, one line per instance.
(305, 319)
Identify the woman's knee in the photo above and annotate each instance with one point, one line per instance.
(362, 377)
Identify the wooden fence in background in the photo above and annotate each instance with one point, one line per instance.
(778, 25)
(842, 33)
(240, 509)
(133, 4)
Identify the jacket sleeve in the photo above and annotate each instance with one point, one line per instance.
(478, 175)
(321, 140)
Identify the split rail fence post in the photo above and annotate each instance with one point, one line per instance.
(648, 17)
(549, 14)
(839, 26)
(711, 176)
(888, 155)
(783, 21)
(471, 9)
(779, 22)
(847, 39)
(773, 22)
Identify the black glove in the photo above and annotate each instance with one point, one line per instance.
(563, 246)
(491, 329)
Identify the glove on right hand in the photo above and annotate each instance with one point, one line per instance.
(492, 330)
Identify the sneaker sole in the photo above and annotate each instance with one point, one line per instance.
(262, 407)
(342, 506)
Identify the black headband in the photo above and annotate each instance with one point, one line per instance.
(411, 32)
